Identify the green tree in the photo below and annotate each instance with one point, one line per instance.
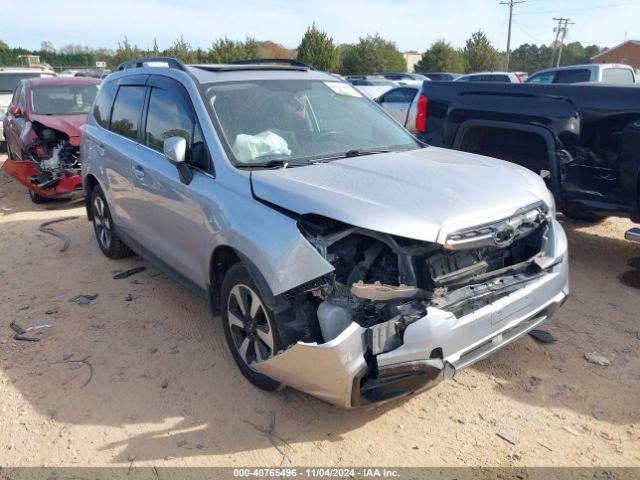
(480, 55)
(440, 57)
(317, 49)
(181, 49)
(125, 51)
(224, 50)
(372, 53)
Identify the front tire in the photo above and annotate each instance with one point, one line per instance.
(37, 198)
(249, 326)
(104, 228)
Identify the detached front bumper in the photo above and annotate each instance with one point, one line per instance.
(434, 347)
(66, 187)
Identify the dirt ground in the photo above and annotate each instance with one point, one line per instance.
(160, 388)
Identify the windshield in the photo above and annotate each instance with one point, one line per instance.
(62, 99)
(9, 81)
(298, 121)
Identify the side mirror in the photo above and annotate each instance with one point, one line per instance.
(175, 151)
(15, 111)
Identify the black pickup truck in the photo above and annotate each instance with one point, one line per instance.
(583, 139)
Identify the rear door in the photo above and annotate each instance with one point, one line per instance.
(398, 101)
(118, 145)
(170, 216)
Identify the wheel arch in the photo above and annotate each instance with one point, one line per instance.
(543, 133)
(89, 184)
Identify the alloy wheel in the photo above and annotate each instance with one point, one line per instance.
(101, 222)
(249, 325)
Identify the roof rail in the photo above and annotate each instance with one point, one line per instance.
(145, 61)
(257, 61)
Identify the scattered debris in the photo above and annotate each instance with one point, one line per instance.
(135, 281)
(53, 311)
(545, 446)
(596, 359)
(83, 300)
(190, 446)
(598, 415)
(571, 431)
(40, 326)
(174, 350)
(153, 350)
(507, 437)
(542, 336)
(66, 241)
(26, 339)
(128, 273)
(130, 297)
(165, 384)
(17, 328)
(83, 362)
(269, 432)
(615, 306)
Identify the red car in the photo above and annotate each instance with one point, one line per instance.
(42, 130)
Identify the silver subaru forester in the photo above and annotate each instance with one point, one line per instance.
(346, 259)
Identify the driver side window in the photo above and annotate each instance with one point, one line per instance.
(169, 116)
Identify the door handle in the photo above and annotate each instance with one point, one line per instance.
(138, 171)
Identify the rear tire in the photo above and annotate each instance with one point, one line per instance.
(104, 228)
(249, 326)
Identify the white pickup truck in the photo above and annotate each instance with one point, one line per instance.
(611, 73)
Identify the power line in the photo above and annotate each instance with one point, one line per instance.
(583, 9)
(510, 3)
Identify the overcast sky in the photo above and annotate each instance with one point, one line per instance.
(412, 24)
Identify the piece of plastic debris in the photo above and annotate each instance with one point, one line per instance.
(542, 336)
(507, 437)
(51, 312)
(17, 328)
(66, 241)
(128, 273)
(598, 415)
(596, 359)
(40, 326)
(26, 339)
(83, 299)
(130, 297)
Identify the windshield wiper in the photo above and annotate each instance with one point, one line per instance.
(273, 164)
(360, 153)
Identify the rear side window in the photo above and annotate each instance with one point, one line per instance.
(620, 76)
(400, 95)
(546, 77)
(168, 116)
(103, 103)
(127, 110)
(490, 78)
(572, 76)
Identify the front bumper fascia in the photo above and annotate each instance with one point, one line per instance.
(434, 347)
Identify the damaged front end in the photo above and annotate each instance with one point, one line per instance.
(51, 162)
(396, 315)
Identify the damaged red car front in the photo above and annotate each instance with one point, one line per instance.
(42, 131)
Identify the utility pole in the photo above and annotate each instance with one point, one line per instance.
(511, 3)
(561, 33)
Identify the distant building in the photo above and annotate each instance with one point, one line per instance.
(411, 58)
(627, 53)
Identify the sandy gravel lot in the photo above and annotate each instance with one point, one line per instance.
(160, 388)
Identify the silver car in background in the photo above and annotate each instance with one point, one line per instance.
(345, 258)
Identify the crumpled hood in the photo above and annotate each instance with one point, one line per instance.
(69, 124)
(411, 194)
